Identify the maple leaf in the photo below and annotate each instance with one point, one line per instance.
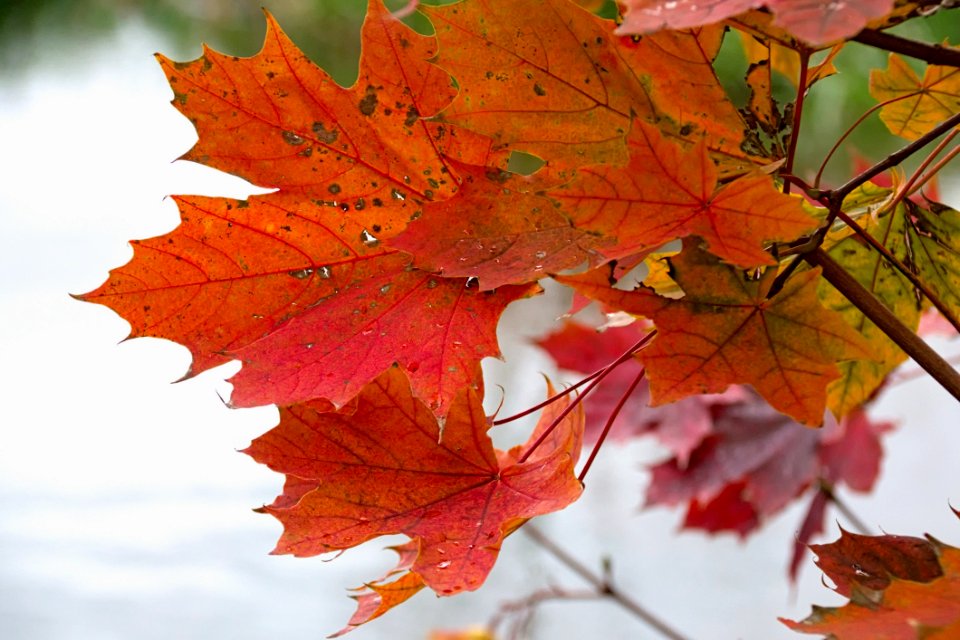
(375, 467)
(815, 21)
(726, 331)
(563, 86)
(900, 588)
(915, 106)
(509, 236)
(299, 283)
(665, 192)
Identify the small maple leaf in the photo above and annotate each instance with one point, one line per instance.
(915, 106)
(815, 21)
(375, 467)
(726, 331)
(666, 192)
(900, 588)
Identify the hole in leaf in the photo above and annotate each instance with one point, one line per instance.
(524, 163)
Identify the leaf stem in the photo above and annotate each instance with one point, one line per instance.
(610, 419)
(602, 584)
(931, 53)
(593, 383)
(550, 400)
(797, 115)
(871, 307)
(827, 490)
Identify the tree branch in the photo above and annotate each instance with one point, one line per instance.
(603, 585)
(931, 53)
(837, 195)
(873, 309)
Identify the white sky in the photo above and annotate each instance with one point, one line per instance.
(125, 509)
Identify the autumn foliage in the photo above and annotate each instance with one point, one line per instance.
(766, 310)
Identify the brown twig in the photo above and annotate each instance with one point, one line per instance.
(872, 308)
(603, 585)
(837, 195)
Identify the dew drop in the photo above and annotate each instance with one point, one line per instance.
(397, 195)
(309, 345)
(540, 255)
(385, 288)
(444, 564)
(368, 239)
(324, 272)
(300, 274)
(366, 332)
(432, 284)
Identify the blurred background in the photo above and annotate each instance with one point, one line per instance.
(125, 510)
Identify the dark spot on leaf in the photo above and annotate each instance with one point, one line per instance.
(377, 202)
(323, 134)
(539, 90)
(368, 104)
(242, 204)
(360, 205)
(306, 153)
(334, 188)
(376, 228)
(412, 116)
(291, 138)
(270, 74)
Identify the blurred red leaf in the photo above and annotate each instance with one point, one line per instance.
(815, 21)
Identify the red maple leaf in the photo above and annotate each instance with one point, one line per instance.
(900, 588)
(382, 464)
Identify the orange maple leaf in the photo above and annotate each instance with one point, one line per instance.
(299, 283)
(562, 85)
(725, 331)
(666, 192)
(375, 467)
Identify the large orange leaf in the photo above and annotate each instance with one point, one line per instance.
(900, 588)
(816, 21)
(298, 283)
(556, 81)
(666, 192)
(915, 106)
(725, 331)
(383, 465)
